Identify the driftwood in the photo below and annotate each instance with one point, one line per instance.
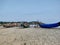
(10, 25)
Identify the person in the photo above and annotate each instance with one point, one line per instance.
(49, 25)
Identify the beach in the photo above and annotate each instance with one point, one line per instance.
(29, 36)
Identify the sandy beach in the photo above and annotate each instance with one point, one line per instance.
(29, 36)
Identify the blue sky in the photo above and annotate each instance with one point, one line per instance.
(47, 11)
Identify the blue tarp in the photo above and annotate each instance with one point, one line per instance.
(49, 25)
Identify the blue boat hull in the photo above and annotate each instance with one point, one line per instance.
(49, 25)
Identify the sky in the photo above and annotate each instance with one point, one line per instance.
(47, 11)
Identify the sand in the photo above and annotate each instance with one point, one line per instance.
(29, 36)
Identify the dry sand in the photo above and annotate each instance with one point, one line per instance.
(29, 36)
